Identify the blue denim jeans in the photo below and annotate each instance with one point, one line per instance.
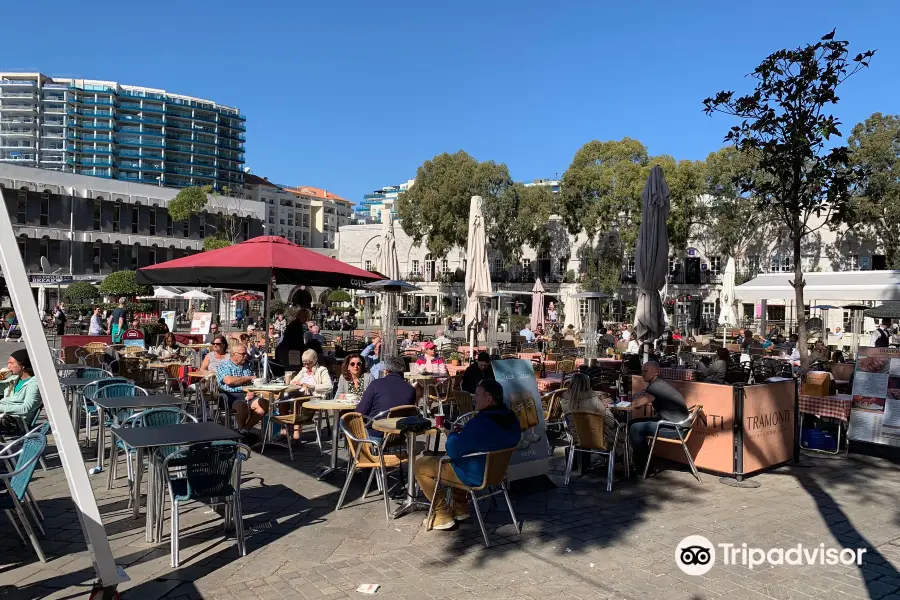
(640, 431)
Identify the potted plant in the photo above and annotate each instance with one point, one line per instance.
(455, 359)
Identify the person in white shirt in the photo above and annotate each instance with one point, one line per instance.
(440, 340)
(527, 334)
(626, 335)
(96, 323)
(633, 347)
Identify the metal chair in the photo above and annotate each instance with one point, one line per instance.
(496, 463)
(294, 416)
(553, 413)
(211, 472)
(366, 453)
(30, 448)
(587, 434)
(92, 391)
(683, 429)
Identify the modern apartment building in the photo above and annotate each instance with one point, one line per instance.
(88, 227)
(369, 210)
(305, 215)
(116, 131)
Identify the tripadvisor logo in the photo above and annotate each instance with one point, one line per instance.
(696, 555)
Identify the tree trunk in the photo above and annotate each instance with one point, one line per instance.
(799, 284)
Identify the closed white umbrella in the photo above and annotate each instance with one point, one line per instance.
(573, 310)
(196, 295)
(651, 256)
(478, 274)
(727, 317)
(388, 266)
(537, 304)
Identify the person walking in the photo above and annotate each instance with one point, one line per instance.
(59, 319)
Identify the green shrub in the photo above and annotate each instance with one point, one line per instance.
(338, 296)
(81, 290)
(122, 283)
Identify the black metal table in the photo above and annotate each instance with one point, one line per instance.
(71, 384)
(122, 403)
(147, 438)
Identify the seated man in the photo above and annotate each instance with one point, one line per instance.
(669, 405)
(233, 375)
(440, 340)
(22, 397)
(387, 392)
(495, 427)
(481, 369)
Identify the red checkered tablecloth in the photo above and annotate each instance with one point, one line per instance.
(465, 349)
(547, 384)
(454, 369)
(529, 355)
(678, 374)
(836, 407)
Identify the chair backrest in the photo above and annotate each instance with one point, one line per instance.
(209, 469)
(554, 406)
(496, 464)
(588, 428)
(94, 374)
(119, 388)
(91, 390)
(354, 429)
(566, 366)
(160, 417)
(33, 444)
(464, 402)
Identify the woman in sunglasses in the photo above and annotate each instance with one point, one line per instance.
(217, 355)
(355, 377)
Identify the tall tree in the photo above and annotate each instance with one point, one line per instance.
(875, 146)
(194, 200)
(687, 183)
(786, 124)
(519, 216)
(436, 207)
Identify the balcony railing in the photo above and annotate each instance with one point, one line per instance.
(141, 119)
(137, 94)
(141, 142)
(24, 82)
(137, 106)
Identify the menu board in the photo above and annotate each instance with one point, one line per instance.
(875, 417)
(521, 394)
(201, 322)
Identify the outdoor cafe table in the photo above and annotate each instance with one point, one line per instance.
(550, 382)
(335, 406)
(836, 407)
(117, 403)
(453, 370)
(679, 374)
(410, 504)
(148, 438)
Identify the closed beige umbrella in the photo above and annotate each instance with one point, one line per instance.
(478, 274)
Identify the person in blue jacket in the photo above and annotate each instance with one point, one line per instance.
(495, 427)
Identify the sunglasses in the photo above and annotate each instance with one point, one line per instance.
(356, 364)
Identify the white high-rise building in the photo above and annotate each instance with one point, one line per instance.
(117, 131)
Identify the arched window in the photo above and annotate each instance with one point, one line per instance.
(135, 252)
(153, 216)
(96, 207)
(45, 247)
(116, 255)
(45, 208)
(117, 216)
(152, 256)
(135, 216)
(22, 207)
(95, 257)
(22, 240)
(170, 253)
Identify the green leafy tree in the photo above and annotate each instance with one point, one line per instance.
(189, 202)
(122, 283)
(338, 297)
(81, 292)
(214, 242)
(875, 145)
(436, 208)
(602, 264)
(518, 217)
(786, 124)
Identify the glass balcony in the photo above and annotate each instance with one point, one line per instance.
(205, 142)
(95, 162)
(137, 106)
(180, 114)
(56, 86)
(142, 94)
(17, 82)
(52, 123)
(89, 150)
(209, 118)
(95, 102)
(141, 142)
(97, 126)
(4, 106)
(140, 119)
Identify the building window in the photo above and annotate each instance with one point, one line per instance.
(202, 226)
(709, 309)
(751, 264)
(853, 262)
(170, 226)
(445, 266)
(135, 216)
(781, 263)
(526, 264)
(117, 215)
(45, 209)
(22, 239)
(152, 255)
(45, 247)
(415, 267)
(95, 260)
(135, 251)
(715, 265)
(186, 228)
(629, 262)
(170, 253)
(98, 206)
(368, 265)
(116, 251)
(245, 229)
(22, 208)
(153, 220)
(672, 262)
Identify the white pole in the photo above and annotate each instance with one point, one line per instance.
(63, 431)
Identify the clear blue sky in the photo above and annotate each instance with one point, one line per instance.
(353, 95)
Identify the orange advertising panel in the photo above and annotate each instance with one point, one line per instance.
(711, 443)
(768, 425)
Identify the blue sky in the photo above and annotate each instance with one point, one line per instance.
(353, 95)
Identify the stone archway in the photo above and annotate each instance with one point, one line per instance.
(301, 297)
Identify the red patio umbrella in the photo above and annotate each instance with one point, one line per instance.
(249, 296)
(252, 265)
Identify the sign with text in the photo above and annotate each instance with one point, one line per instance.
(169, 317)
(201, 322)
(875, 416)
(521, 394)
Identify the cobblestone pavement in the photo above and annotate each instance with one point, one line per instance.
(576, 542)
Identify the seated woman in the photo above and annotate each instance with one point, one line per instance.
(430, 362)
(313, 378)
(719, 367)
(169, 349)
(355, 377)
(634, 347)
(22, 397)
(217, 355)
(580, 397)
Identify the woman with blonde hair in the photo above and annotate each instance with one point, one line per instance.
(581, 398)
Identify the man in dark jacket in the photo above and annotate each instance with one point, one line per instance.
(669, 405)
(386, 393)
(480, 369)
(495, 427)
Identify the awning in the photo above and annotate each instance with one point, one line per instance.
(835, 285)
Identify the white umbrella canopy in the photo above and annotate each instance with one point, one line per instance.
(537, 304)
(196, 295)
(727, 317)
(572, 310)
(478, 274)
(389, 266)
(651, 256)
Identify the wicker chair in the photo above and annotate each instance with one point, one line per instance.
(462, 401)
(586, 434)
(683, 429)
(290, 414)
(392, 440)
(496, 464)
(366, 453)
(553, 413)
(565, 366)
